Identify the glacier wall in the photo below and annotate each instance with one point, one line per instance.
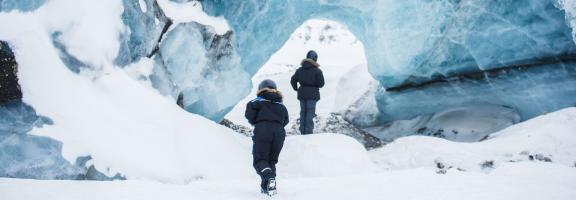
(414, 43)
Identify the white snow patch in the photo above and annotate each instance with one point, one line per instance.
(526, 181)
(90, 29)
(324, 154)
(552, 136)
(143, 5)
(141, 70)
(192, 12)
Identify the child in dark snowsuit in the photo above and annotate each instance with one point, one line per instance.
(311, 79)
(268, 116)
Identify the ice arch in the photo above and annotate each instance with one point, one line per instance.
(342, 61)
(415, 44)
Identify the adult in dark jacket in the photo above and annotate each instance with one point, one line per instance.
(268, 116)
(311, 79)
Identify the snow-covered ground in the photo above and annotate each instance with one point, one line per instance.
(408, 169)
(526, 181)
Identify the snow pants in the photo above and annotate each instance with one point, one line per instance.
(307, 114)
(268, 141)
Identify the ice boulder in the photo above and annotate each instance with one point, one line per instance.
(145, 23)
(204, 67)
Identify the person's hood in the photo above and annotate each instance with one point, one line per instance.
(270, 94)
(309, 63)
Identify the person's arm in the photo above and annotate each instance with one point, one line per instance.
(251, 112)
(320, 79)
(294, 80)
(286, 116)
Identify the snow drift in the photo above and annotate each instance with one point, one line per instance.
(547, 138)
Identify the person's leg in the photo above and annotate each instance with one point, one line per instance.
(277, 145)
(302, 117)
(310, 114)
(261, 149)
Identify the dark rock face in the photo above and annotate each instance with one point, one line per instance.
(9, 87)
(244, 130)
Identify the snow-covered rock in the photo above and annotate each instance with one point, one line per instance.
(335, 123)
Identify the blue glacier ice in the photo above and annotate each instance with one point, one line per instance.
(204, 67)
(29, 156)
(21, 5)
(190, 58)
(535, 90)
(144, 29)
(411, 43)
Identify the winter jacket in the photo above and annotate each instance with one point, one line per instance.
(310, 78)
(267, 107)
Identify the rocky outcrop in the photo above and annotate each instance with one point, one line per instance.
(9, 87)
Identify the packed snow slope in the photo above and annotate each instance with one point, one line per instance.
(433, 55)
(428, 168)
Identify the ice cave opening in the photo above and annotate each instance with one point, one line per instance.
(341, 58)
(344, 65)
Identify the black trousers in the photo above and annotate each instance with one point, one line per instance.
(268, 141)
(307, 114)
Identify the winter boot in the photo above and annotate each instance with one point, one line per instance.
(271, 187)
